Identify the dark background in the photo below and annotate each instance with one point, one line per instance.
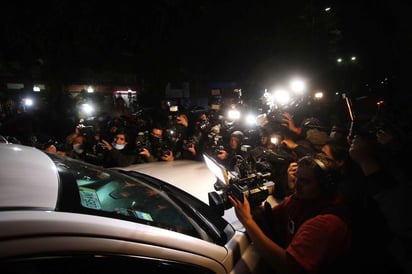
(254, 43)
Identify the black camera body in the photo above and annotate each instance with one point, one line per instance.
(204, 125)
(86, 130)
(275, 116)
(100, 145)
(215, 142)
(189, 143)
(142, 141)
(218, 149)
(166, 150)
(256, 188)
(173, 114)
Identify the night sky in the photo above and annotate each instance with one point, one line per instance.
(253, 42)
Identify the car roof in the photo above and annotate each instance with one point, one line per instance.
(192, 176)
(28, 177)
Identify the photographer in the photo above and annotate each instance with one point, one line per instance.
(312, 130)
(227, 157)
(175, 133)
(271, 156)
(78, 142)
(391, 190)
(312, 136)
(196, 143)
(159, 149)
(288, 122)
(296, 235)
(50, 147)
(118, 153)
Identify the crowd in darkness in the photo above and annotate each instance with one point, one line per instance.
(364, 162)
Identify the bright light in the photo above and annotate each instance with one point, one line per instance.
(36, 88)
(281, 96)
(250, 119)
(297, 86)
(274, 140)
(90, 90)
(327, 9)
(339, 60)
(268, 97)
(261, 120)
(28, 102)
(233, 114)
(214, 167)
(319, 95)
(353, 58)
(87, 109)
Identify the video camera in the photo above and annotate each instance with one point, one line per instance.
(215, 142)
(256, 187)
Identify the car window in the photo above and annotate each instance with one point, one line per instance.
(89, 189)
(136, 200)
(107, 193)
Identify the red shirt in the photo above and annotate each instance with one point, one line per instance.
(315, 235)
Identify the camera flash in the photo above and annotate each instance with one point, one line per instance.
(274, 140)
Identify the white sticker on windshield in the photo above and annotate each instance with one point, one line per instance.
(89, 198)
(143, 215)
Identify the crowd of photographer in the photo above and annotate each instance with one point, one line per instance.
(342, 191)
(363, 170)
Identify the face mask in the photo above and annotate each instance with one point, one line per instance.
(117, 146)
(78, 148)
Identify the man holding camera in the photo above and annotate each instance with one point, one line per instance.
(158, 149)
(227, 157)
(306, 232)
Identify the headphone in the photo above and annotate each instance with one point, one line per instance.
(327, 178)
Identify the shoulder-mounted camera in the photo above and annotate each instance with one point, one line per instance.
(256, 187)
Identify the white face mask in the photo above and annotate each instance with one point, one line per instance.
(117, 146)
(78, 148)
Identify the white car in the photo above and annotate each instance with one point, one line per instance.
(60, 215)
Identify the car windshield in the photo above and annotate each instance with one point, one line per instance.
(89, 189)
